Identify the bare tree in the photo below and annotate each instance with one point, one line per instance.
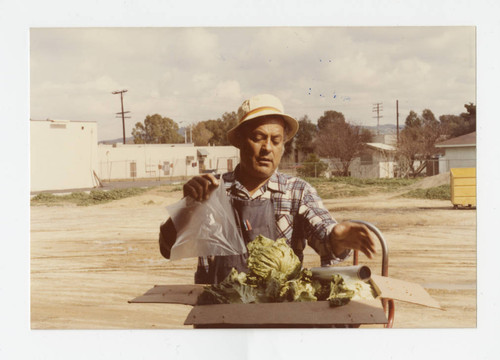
(343, 141)
(416, 142)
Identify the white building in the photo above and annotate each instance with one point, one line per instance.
(376, 161)
(163, 160)
(63, 154)
(460, 152)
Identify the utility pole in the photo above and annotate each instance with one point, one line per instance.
(185, 132)
(377, 108)
(122, 112)
(397, 122)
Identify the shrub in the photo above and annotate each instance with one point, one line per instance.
(442, 192)
(312, 167)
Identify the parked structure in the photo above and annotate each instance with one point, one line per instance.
(63, 154)
(459, 152)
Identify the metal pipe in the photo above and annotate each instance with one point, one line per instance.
(383, 243)
(360, 272)
(387, 304)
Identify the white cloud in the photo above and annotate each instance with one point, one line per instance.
(194, 74)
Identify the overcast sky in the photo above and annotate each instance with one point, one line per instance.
(192, 74)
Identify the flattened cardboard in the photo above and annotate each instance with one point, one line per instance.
(298, 314)
(171, 294)
(356, 312)
(389, 288)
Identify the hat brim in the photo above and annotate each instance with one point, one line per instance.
(292, 125)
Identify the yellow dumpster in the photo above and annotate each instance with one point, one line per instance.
(463, 186)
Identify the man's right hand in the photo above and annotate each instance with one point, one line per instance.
(200, 187)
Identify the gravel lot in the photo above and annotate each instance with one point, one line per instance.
(87, 262)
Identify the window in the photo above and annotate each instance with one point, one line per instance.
(366, 159)
(229, 164)
(166, 167)
(133, 169)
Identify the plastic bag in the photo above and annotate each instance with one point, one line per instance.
(205, 228)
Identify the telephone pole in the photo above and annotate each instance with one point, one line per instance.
(122, 113)
(397, 122)
(377, 108)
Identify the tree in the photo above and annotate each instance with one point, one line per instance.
(453, 125)
(201, 135)
(341, 140)
(220, 127)
(157, 130)
(456, 125)
(305, 135)
(331, 117)
(303, 140)
(312, 167)
(417, 142)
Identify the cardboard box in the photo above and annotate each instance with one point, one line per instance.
(290, 314)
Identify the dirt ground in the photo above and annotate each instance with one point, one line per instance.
(87, 262)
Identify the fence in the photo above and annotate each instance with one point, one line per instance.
(174, 168)
(374, 169)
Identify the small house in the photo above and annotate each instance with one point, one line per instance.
(376, 161)
(459, 152)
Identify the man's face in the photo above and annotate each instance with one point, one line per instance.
(262, 146)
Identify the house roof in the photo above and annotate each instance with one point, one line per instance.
(464, 140)
(381, 146)
(202, 152)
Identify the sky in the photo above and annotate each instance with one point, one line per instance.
(192, 74)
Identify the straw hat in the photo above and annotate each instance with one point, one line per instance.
(258, 106)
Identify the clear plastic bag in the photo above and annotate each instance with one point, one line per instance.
(205, 228)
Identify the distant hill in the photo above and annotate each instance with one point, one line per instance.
(384, 128)
(128, 140)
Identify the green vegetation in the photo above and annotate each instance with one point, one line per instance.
(349, 187)
(336, 187)
(84, 198)
(442, 192)
(312, 166)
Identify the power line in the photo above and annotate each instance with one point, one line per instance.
(122, 113)
(377, 108)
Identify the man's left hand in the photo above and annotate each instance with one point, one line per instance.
(352, 235)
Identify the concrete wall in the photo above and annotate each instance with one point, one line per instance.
(63, 155)
(163, 160)
(457, 157)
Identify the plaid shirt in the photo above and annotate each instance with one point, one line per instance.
(299, 213)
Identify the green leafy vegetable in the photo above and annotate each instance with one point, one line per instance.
(266, 256)
(275, 275)
(232, 289)
(340, 294)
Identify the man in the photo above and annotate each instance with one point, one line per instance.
(267, 202)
